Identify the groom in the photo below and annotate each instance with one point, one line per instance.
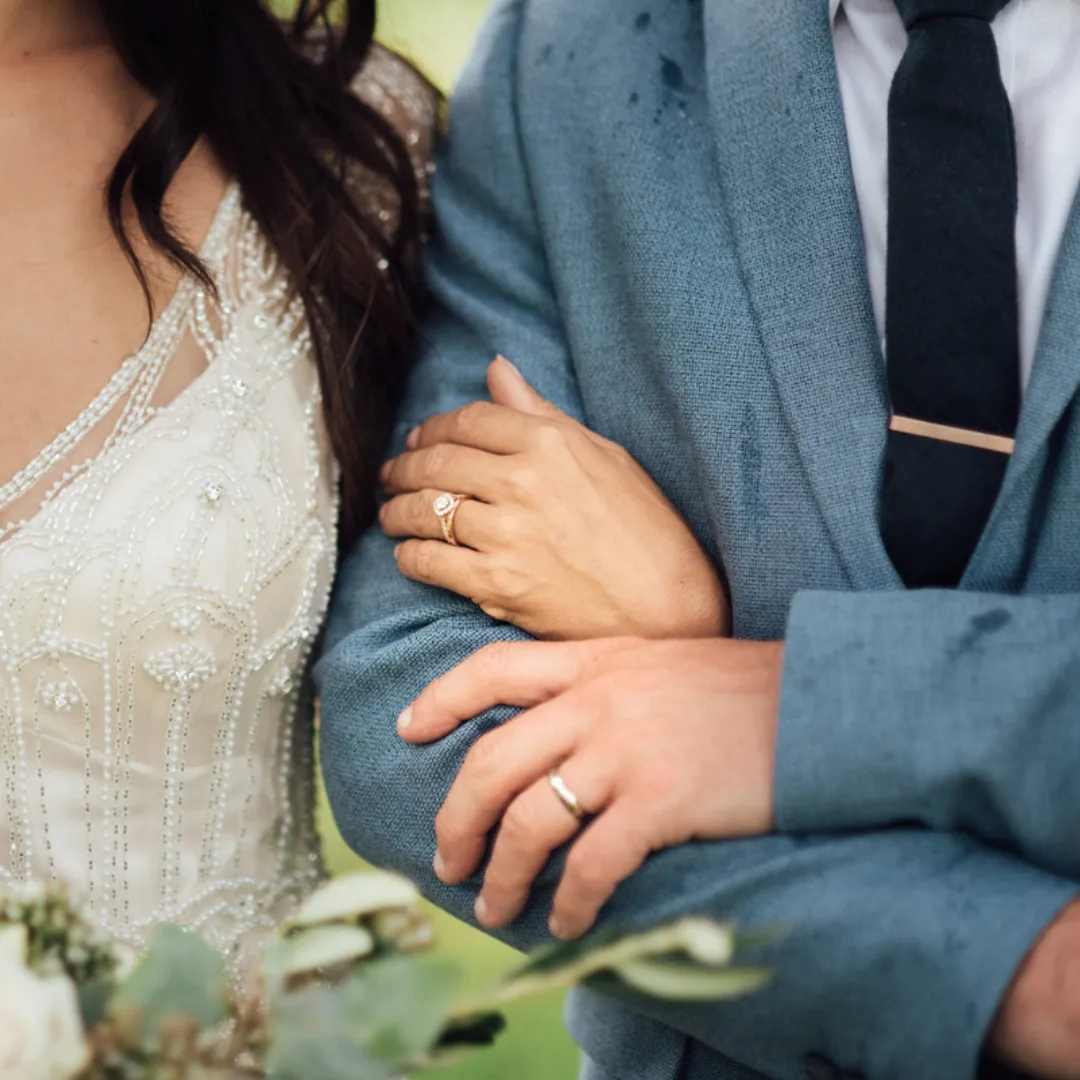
(695, 225)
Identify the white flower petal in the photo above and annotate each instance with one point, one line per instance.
(354, 896)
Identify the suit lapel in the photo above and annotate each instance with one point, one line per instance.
(1055, 379)
(786, 179)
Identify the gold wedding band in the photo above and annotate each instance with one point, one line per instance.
(446, 508)
(565, 795)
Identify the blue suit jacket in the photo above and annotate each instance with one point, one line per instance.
(649, 208)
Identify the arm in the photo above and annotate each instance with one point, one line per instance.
(903, 942)
(957, 710)
(556, 529)
(897, 933)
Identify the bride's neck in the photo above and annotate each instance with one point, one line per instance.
(34, 27)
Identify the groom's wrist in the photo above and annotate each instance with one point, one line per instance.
(1037, 1028)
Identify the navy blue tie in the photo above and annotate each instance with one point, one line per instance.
(951, 326)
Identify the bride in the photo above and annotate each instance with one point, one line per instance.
(173, 499)
(169, 515)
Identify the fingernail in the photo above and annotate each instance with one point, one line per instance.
(383, 510)
(413, 438)
(405, 719)
(397, 551)
(481, 910)
(513, 367)
(384, 473)
(556, 927)
(439, 866)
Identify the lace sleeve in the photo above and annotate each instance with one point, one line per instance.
(400, 93)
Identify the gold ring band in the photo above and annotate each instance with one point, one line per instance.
(446, 507)
(565, 795)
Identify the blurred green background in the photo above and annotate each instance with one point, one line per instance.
(435, 34)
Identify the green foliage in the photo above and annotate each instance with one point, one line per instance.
(682, 982)
(179, 975)
(349, 990)
(363, 1028)
(59, 938)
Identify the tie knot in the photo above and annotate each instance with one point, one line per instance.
(916, 11)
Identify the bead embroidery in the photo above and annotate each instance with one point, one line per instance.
(182, 669)
(186, 619)
(159, 609)
(60, 696)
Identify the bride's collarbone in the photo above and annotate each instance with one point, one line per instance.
(72, 310)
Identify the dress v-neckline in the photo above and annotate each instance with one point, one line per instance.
(166, 325)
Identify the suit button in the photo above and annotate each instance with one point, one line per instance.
(819, 1067)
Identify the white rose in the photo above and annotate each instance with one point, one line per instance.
(41, 1033)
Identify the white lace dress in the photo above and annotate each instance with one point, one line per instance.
(159, 599)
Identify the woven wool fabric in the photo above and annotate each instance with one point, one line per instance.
(649, 209)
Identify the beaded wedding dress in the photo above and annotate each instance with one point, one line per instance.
(165, 566)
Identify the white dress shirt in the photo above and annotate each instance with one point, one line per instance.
(1039, 48)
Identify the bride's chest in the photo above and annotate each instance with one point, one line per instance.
(202, 539)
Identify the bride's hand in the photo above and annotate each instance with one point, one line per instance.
(562, 533)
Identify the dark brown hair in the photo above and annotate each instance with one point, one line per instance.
(282, 118)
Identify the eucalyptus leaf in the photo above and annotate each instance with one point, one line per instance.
(94, 999)
(382, 1018)
(685, 982)
(355, 896)
(178, 975)
(402, 1004)
(324, 947)
(314, 1040)
(560, 966)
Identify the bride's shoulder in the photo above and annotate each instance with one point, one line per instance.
(390, 84)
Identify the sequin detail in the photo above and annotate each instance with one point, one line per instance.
(159, 609)
(182, 669)
(61, 696)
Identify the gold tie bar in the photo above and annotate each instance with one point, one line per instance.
(906, 425)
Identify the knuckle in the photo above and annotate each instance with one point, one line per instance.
(439, 697)
(447, 831)
(620, 455)
(518, 825)
(611, 687)
(499, 885)
(586, 873)
(494, 660)
(524, 480)
(423, 562)
(420, 512)
(513, 530)
(482, 760)
(469, 418)
(507, 583)
(495, 611)
(436, 459)
(551, 440)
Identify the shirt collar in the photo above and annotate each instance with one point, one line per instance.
(834, 7)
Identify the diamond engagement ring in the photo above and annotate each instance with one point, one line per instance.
(446, 508)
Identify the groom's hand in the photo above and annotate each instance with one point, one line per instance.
(658, 743)
(1037, 1028)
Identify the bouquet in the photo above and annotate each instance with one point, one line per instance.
(352, 988)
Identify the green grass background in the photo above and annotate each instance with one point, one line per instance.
(436, 35)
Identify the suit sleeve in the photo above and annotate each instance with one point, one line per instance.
(955, 710)
(902, 941)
